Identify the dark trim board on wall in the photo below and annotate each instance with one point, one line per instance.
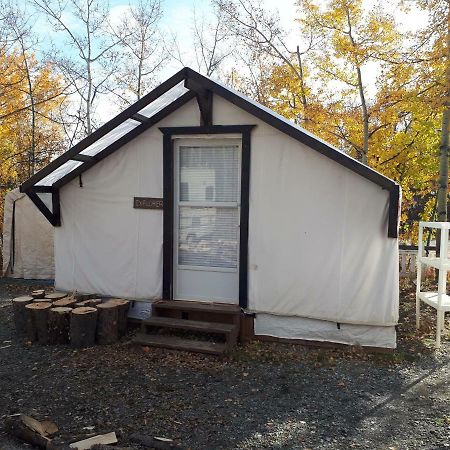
(168, 189)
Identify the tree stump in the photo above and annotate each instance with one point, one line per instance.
(107, 325)
(59, 325)
(37, 321)
(20, 314)
(39, 293)
(66, 302)
(83, 325)
(53, 296)
(122, 309)
(93, 302)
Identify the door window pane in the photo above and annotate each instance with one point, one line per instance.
(208, 237)
(209, 174)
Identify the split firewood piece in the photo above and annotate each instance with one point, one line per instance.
(37, 321)
(83, 324)
(53, 296)
(39, 293)
(66, 302)
(107, 324)
(122, 311)
(27, 429)
(49, 427)
(20, 314)
(154, 442)
(59, 325)
(108, 438)
(93, 302)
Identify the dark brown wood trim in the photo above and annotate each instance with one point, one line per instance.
(83, 158)
(43, 208)
(168, 186)
(139, 118)
(204, 100)
(245, 204)
(168, 218)
(394, 211)
(39, 188)
(215, 129)
(56, 208)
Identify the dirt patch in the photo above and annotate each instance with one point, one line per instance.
(262, 396)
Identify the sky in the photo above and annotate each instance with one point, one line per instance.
(177, 20)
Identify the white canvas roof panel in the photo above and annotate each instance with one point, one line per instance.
(109, 138)
(59, 173)
(164, 100)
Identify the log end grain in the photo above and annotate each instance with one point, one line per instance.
(53, 296)
(23, 299)
(39, 305)
(66, 302)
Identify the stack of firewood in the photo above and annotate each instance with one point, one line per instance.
(59, 318)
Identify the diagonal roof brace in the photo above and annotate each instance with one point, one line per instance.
(54, 216)
(204, 100)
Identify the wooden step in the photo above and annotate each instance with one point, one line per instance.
(182, 305)
(191, 325)
(176, 343)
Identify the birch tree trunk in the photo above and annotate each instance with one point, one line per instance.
(444, 146)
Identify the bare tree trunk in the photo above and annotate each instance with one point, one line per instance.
(443, 167)
(365, 118)
(444, 146)
(301, 77)
(363, 155)
(32, 159)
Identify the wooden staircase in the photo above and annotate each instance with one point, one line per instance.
(203, 322)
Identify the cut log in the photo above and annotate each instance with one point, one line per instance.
(39, 293)
(18, 426)
(66, 302)
(109, 438)
(37, 321)
(53, 296)
(122, 312)
(20, 314)
(42, 300)
(83, 324)
(107, 325)
(93, 302)
(59, 325)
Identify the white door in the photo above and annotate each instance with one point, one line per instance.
(207, 210)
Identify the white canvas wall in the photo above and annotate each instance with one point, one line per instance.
(33, 240)
(104, 245)
(290, 327)
(318, 245)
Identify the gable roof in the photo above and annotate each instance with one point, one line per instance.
(162, 101)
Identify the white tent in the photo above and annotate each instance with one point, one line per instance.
(27, 239)
(198, 193)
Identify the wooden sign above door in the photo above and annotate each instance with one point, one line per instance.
(148, 203)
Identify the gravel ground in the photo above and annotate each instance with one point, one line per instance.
(265, 395)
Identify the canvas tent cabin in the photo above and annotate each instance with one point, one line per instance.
(27, 240)
(198, 193)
